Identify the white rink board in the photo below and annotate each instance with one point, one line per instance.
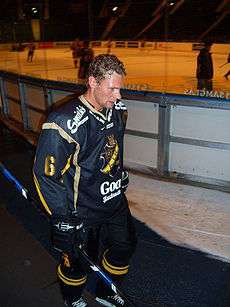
(200, 123)
(142, 151)
(142, 116)
(199, 161)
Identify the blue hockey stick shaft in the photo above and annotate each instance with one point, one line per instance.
(11, 178)
(92, 265)
(99, 272)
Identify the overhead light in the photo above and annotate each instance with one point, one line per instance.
(171, 3)
(114, 8)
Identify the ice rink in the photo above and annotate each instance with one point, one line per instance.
(185, 215)
(147, 69)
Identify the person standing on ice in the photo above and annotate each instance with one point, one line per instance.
(204, 71)
(87, 56)
(228, 72)
(31, 50)
(79, 176)
(76, 51)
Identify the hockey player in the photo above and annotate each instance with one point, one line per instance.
(228, 72)
(109, 46)
(76, 51)
(204, 70)
(30, 54)
(81, 182)
(87, 56)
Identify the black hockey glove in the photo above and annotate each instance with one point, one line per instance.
(66, 232)
(124, 180)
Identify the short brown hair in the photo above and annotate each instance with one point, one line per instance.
(104, 65)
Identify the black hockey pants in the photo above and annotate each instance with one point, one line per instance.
(111, 245)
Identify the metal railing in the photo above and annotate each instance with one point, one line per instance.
(184, 138)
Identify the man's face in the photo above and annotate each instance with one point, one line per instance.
(106, 93)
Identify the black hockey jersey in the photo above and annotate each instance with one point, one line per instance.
(79, 160)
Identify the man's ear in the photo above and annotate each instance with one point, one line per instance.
(92, 82)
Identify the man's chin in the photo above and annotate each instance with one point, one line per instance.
(110, 105)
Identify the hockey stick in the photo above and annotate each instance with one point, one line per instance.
(25, 193)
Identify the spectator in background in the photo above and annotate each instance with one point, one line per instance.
(30, 54)
(204, 71)
(87, 56)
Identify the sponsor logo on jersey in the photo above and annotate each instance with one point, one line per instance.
(119, 105)
(78, 120)
(110, 190)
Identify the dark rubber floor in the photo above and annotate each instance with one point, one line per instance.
(161, 274)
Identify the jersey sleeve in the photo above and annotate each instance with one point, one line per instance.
(54, 152)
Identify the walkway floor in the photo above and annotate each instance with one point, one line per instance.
(162, 273)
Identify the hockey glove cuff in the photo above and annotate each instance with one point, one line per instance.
(66, 232)
(125, 180)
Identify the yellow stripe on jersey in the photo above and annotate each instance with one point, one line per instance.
(61, 131)
(76, 176)
(67, 166)
(37, 185)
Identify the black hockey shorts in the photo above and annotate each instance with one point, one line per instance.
(119, 244)
(111, 244)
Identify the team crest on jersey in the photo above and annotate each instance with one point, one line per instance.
(110, 156)
(78, 119)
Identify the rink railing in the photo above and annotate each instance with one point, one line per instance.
(130, 44)
(184, 138)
